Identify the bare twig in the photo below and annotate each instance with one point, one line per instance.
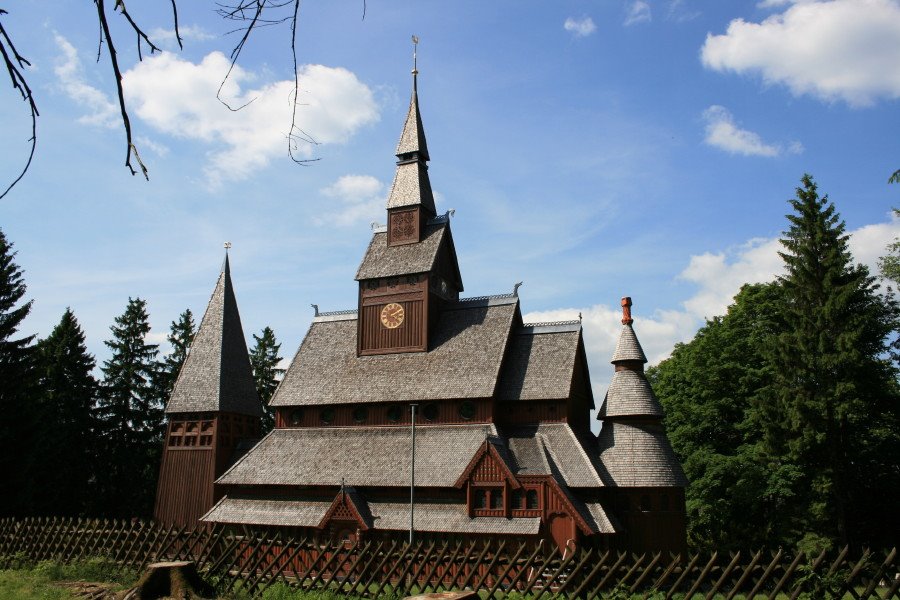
(101, 15)
(292, 136)
(15, 63)
(175, 21)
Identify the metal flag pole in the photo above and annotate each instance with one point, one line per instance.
(412, 475)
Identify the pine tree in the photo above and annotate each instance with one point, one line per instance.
(67, 447)
(130, 411)
(264, 360)
(18, 416)
(836, 395)
(181, 334)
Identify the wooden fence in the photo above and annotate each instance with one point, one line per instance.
(256, 559)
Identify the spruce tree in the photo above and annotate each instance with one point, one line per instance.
(836, 394)
(67, 449)
(19, 420)
(181, 334)
(131, 415)
(264, 360)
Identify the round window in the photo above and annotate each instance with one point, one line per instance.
(394, 412)
(360, 414)
(327, 416)
(296, 416)
(467, 410)
(430, 411)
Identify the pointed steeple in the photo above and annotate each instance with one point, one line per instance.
(412, 187)
(216, 375)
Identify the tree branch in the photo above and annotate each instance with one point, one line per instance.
(15, 63)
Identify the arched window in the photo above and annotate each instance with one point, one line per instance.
(394, 412)
(430, 411)
(360, 414)
(327, 415)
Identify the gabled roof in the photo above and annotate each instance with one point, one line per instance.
(362, 456)
(541, 362)
(382, 260)
(630, 395)
(637, 455)
(529, 444)
(216, 375)
(628, 347)
(467, 349)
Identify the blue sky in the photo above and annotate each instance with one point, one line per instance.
(590, 149)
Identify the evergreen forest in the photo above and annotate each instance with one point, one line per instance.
(85, 439)
(784, 411)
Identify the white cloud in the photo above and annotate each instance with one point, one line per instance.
(835, 50)
(144, 142)
(773, 3)
(718, 277)
(679, 12)
(166, 37)
(638, 12)
(70, 75)
(359, 199)
(178, 97)
(580, 27)
(723, 133)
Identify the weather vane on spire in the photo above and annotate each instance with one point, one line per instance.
(415, 40)
(227, 246)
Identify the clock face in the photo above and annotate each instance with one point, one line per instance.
(392, 315)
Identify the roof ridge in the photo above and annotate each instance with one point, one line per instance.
(542, 323)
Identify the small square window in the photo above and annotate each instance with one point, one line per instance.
(497, 499)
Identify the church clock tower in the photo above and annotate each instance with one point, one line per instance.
(410, 268)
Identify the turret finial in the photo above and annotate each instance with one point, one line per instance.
(626, 311)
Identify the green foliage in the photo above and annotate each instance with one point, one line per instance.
(181, 334)
(130, 413)
(784, 411)
(19, 418)
(66, 394)
(264, 360)
(834, 391)
(889, 264)
(895, 177)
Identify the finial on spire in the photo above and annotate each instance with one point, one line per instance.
(516, 287)
(315, 308)
(415, 71)
(626, 311)
(227, 246)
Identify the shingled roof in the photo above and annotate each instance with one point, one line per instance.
(371, 456)
(244, 511)
(382, 260)
(637, 455)
(535, 447)
(464, 361)
(540, 363)
(412, 140)
(216, 375)
(630, 395)
(447, 517)
(628, 347)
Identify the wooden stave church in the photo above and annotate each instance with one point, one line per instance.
(503, 443)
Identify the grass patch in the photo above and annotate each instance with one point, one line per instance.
(41, 581)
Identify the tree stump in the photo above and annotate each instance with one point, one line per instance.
(178, 580)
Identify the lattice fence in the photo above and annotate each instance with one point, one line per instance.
(255, 559)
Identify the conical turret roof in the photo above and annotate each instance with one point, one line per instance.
(628, 347)
(216, 375)
(630, 395)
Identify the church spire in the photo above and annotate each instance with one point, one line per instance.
(216, 375)
(412, 187)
